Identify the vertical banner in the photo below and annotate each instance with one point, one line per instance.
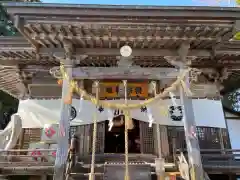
(63, 133)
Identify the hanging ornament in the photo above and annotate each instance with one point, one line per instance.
(150, 117)
(100, 109)
(110, 119)
(68, 99)
(80, 103)
(143, 109)
(60, 82)
(176, 113)
(172, 96)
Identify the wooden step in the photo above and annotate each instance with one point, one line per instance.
(136, 172)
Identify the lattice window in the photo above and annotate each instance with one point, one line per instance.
(208, 137)
(226, 140)
(31, 135)
(200, 133)
(147, 138)
(100, 137)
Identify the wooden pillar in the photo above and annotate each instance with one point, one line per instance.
(194, 156)
(64, 123)
(160, 161)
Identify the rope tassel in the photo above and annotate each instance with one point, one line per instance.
(128, 120)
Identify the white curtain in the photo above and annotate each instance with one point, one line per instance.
(37, 113)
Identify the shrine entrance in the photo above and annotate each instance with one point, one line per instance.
(115, 139)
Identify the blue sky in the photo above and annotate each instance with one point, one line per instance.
(149, 2)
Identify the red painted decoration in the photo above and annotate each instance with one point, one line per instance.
(50, 132)
(36, 155)
(54, 154)
(62, 130)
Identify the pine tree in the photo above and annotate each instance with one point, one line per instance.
(6, 25)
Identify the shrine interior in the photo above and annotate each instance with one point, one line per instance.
(115, 140)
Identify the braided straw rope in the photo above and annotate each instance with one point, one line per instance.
(80, 91)
(127, 119)
(92, 175)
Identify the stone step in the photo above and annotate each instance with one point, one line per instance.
(102, 158)
(85, 176)
(136, 172)
(85, 168)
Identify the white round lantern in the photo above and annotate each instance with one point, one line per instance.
(126, 51)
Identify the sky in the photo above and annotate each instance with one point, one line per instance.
(150, 2)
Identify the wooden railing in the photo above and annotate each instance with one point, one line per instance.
(218, 159)
(31, 161)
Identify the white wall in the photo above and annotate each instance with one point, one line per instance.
(36, 113)
(234, 132)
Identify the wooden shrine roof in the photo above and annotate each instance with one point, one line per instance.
(97, 32)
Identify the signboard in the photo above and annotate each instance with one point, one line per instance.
(116, 90)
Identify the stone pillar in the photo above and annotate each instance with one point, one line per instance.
(64, 123)
(194, 156)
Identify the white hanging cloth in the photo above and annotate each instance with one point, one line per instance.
(80, 103)
(150, 117)
(173, 99)
(110, 119)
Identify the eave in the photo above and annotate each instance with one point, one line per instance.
(69, 10)
(98, 31)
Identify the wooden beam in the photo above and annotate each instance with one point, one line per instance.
(116, 52)
(36, 10)
(134, 72)
(229, 35)
(19, 24)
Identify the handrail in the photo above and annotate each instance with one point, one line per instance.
(210, 150)
(26, 150)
